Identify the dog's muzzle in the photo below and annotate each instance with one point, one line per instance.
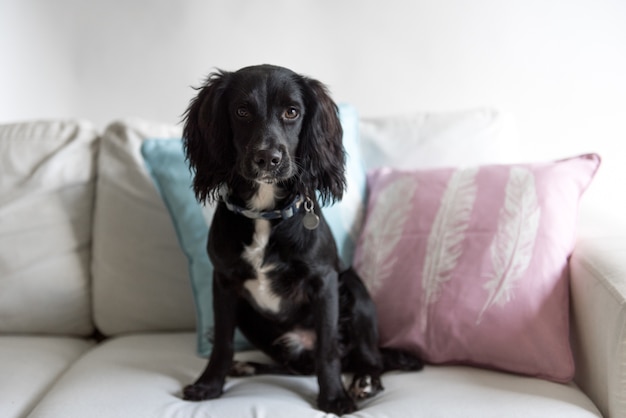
(269, 166)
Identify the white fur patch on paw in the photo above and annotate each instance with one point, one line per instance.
(241, 368)
(364, 387)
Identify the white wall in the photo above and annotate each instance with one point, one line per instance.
(37, 61)
(558, 65)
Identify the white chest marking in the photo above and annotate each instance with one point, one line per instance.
(264, 198)
(259, 286)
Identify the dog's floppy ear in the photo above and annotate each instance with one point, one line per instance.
(207, 137)
(320, 150)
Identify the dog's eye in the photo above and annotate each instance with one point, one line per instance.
(243, 112)
(291, 113)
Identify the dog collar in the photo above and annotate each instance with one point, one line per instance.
(287, 212)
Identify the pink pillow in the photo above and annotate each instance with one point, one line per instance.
(470, 265)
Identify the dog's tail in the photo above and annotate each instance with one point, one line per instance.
(400, 360)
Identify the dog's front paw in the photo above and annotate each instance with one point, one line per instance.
(201, 392)
(338, 406)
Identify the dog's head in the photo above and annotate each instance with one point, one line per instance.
(264, 124)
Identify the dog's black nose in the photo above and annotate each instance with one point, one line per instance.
(267, 159)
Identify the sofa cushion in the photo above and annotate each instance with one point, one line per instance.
(47, 182)
(29, 367)
(143, 376)
(440, 139)
(470, 265)
(140, 276)
(166, 162)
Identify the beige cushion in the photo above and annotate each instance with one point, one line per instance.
(140, 275)
(47, 177)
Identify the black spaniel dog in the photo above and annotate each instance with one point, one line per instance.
(266, 144)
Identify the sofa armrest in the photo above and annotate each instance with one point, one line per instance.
(598, 292)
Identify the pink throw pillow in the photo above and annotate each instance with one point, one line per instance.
(470, 266)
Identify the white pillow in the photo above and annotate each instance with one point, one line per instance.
(439, 139)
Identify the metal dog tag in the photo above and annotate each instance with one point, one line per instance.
(310, 221)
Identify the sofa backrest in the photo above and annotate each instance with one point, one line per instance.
(47, 183)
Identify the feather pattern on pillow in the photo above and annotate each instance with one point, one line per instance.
(444, 247)
(384, 231)
(512, 247)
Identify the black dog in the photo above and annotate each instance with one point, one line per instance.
(265, 143)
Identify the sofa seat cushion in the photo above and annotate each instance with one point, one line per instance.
(142, 376)
(29, 366)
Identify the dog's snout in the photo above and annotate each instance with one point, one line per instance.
(268, 163)
(267, 159)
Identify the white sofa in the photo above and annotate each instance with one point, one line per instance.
(97, 315)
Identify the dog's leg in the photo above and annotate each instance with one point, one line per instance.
(366, 362)
(332, 396)
(364, 359)
(210, 384)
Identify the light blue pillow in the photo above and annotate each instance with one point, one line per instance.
(166, 163)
